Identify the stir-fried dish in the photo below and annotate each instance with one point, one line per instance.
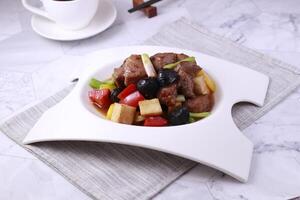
(165, 89)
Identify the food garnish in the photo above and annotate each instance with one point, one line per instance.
(166, 89)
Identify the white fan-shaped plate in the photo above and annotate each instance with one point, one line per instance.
(214, 141)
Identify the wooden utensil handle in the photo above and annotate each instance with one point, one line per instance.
(150, 11)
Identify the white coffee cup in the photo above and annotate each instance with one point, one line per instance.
(71, 14)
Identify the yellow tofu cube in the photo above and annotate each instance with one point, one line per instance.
(200, 85)
(123, 114)
(208, 80)
(110, 110)
(150, 107)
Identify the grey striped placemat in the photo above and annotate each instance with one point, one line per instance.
(111, 171)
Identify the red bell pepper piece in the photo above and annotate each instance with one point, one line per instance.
(155, 121)
(133, 99)
(127, 91)
(100, 98)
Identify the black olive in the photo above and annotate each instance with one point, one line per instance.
(164, 107)
(114, 94)
(167, 77)
(148, 87)
(179, 116)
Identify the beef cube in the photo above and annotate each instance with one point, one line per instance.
(200, 104)
(161, 59)
(190, 68)
(186, 84)
(133, 69)
(181, 56)
(167, 95)
(118, 76)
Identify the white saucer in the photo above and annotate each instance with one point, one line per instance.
(103, 19)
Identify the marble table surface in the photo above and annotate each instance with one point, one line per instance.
(32, 68)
